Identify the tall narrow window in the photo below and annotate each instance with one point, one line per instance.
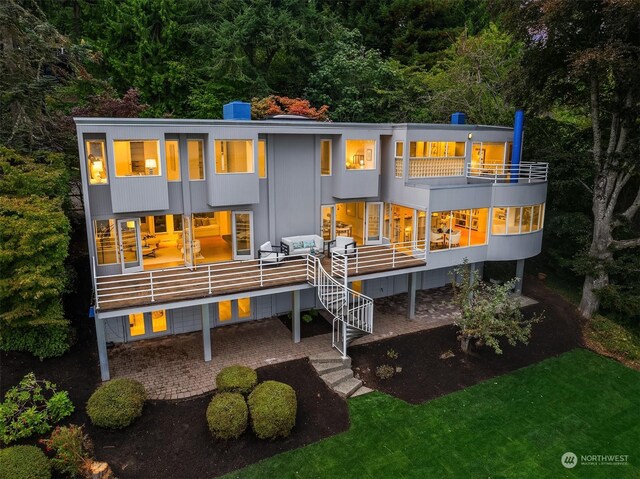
(136, 324)
(173, 160)
(325, 157)
(105, 236)
(137, 157)
(158, 321)
(262, 159)
(195, 150)
(233, 156)
(399, 158)
(96, 162)
(160, 224)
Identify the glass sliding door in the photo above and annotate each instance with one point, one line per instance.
(328, 226)
(374, 223)
(242, 234)
(130, 245)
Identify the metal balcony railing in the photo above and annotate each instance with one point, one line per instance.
(526, 172)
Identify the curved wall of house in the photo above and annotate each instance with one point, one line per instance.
(513, 247)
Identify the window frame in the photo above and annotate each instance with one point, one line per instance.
(374, 155)
(263, 142)
(396, 158)
(227, 140)
(166, 158)
(322, 142)
(105, 163)
(204, 163)
(508, 209)
(137, 140)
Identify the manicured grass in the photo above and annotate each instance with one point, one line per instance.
(517, 425)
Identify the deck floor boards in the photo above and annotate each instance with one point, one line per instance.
(180, 283)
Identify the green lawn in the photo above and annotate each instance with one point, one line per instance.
(517, 425)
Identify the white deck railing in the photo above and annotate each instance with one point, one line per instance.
(524, 172)
(161, 284)
(429, 167)
(395, 255)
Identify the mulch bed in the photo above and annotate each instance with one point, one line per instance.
(425, 376)
(319, 325)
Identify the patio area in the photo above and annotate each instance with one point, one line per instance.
(173, 367)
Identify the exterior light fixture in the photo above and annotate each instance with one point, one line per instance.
(470, 136)
(131, 224)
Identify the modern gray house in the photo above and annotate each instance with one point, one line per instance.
(196, 224)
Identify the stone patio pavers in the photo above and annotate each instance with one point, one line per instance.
(173, 367)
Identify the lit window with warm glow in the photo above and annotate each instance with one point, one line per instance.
(195, 150)
(517, 219)
(105, 239)
(244, 308)
(488, 158)
(136, 324)
(233, 156)
(137, 157)
(96, 162)
(399, 158)
(458, 229)
(325, 157)
(173, 160)
(262, 158)
(360, 154)
(436, 158)
(158, 321)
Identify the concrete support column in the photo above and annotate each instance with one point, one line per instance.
(411, 301)
(519, 275)
(295, 316)
(206, 332)
(102, 348)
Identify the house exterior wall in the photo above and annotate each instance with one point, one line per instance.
(288, 201)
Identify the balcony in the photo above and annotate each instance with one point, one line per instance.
(115, 292)
(525, 172)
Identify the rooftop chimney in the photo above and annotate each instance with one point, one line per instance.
(458, 118)
(236, 110)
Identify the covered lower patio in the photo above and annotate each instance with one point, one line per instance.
(173, 367)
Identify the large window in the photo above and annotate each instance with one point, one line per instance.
(458, 228)
(262, 158)
(436, 158)
(106, 243)
(517, 219)
(489, 158)
(196, 159)
(233, 156)
(137, 157)
(325, 157)
(360, 154)
(173, 160)
(96, 162)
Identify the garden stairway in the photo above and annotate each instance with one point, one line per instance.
(336, 372)
(352, 311)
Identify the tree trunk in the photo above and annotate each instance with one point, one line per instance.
(464, 343)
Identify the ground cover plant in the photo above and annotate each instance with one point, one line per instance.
(24, 462)
(72, 450)
(116, 404)
(32, 407)
(466, 434)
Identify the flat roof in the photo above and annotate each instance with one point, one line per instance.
(275, 124)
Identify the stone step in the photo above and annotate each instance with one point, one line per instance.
(348, 387)
(331, 356)
(336, 377)
(360, 391)
(324, 368)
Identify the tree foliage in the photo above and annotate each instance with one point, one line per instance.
(34, 240)
(262, 108)
(489, 312)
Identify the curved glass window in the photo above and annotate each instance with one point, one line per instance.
(515, 220)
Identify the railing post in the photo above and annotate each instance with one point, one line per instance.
(209, 280)
(151, 283)
(393, 255)
(95, 280)
(260, 268)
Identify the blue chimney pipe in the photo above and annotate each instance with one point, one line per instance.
(516, 152)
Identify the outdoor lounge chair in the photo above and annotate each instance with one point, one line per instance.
(342, 244)
(269, 254)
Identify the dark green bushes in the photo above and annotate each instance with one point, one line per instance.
(73, 450)
(117, 403)
(237, 379)
(272, 406)
(227, 415)
(24, 462)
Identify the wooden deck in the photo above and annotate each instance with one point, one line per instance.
(216, 279)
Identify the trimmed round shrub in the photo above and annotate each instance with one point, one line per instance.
(236, 379)
(24, 462)
(227, 415)
(272, 407)
(116, 404)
